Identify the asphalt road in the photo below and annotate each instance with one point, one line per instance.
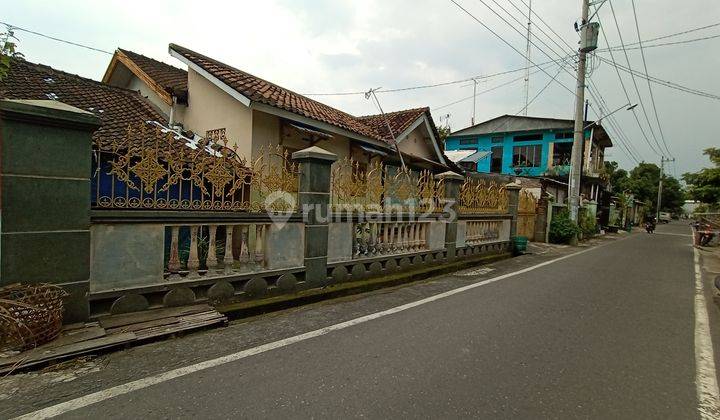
(608, 333)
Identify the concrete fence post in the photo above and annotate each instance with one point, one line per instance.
(314, 203)
(541, 217)
(452, 183)
(513, 190)
(45, 168)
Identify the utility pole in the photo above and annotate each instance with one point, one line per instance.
(587, 44)
(660, 186)
(527, 59)
(475, 82)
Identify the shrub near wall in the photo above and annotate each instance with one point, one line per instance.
(562, 229)
(588, 225)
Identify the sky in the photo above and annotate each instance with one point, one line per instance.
(326, 46)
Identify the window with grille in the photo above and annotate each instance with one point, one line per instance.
(527, 156)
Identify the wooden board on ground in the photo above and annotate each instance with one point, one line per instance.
(42, 354)
(116, 330)
(76, 335)
(113, 321)
(144, 325)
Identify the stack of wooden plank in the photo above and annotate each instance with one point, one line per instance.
(115, 330)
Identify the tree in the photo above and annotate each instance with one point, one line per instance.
(643, 183)
(704, 185)
(616, 177)
(443, 132)
(8, 51)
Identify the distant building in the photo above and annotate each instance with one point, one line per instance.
(531, 146)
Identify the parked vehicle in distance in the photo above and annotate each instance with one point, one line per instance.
(664, 217)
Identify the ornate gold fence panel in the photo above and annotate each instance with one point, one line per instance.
(482, 196)
(527, 210)
(153, 167)
(375, 187)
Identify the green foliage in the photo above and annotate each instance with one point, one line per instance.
(562, 229)
(588, 225)
(704, 185)
(443, 132)
(618, 178)
(642, 181)
(8, 50)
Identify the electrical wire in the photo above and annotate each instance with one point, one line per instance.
(507, 42)
(662, 82)
(548, 26)
(440, 84)
(637, 90)
(483, 92)
(13, 27)
(677, 34)
(652, 96)
(538, 27)
(624, 88)
(522, 24)
(664, 44)
(530, 41)
(620, 134)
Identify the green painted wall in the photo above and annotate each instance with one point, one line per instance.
(45, 152)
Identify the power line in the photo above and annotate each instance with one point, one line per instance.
(637, 90)
(624, 88)
(538, 27)
(677, 33)
(439, 84)
(621, 136)
(537, 95)
(603, 108)
(507, 42)
(11, 26)
(652, 96)
(485, 91)
(663, 44)
(662, 82)
(550, 27)
(521, 23)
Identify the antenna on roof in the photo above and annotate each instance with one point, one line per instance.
(371, 93)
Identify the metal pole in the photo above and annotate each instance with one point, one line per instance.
(527, 61)
(660, 186)
(472, 120)
(579, 138)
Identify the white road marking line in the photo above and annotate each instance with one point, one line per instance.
(673, 234)
(106, 394)
(705, 374)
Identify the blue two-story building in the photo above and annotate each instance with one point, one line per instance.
(527, 146)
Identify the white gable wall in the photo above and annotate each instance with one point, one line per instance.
(209, 108)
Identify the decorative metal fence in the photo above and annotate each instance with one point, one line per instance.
(375, 187)
(527, 210)
(481, 196)
(156, 168)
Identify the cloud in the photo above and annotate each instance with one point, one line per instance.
(335, 46)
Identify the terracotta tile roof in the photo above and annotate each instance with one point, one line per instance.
(262, 91)
(399, 121)
(171, 78)
(116, 107)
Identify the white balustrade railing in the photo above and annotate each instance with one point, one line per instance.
(384, 238)
(481, 231)
(214, 249)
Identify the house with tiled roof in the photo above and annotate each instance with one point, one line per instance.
(116, 107)
(257, 113)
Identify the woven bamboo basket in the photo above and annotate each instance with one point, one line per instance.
(30, 315)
